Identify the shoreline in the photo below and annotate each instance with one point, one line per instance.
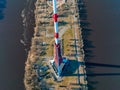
(31, 80)
(28, 17)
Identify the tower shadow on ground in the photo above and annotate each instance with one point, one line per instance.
(71, 68)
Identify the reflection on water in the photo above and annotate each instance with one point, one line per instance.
(2, 7)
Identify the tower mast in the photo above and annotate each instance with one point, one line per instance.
(57, 50)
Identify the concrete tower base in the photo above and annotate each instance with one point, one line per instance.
(62, 67)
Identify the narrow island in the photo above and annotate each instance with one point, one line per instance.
(38, 73)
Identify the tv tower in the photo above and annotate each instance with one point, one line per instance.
(57, 50)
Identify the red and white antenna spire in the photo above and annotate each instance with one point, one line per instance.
(55, 17)
(57, 50)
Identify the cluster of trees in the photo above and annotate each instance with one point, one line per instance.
(31, 78)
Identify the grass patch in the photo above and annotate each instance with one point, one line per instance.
(49, 51)
(50, 30)
(66, 41)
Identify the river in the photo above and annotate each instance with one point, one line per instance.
(103, 66)
(12, 53)
(103, 61)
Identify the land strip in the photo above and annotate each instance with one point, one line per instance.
(38, 74)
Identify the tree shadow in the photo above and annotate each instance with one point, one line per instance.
(86, 31)
(84, 24)
(73, 45)
(2, 7)
(88, 44)
(61, 23)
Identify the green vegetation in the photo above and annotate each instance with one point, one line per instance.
(66, 40)
(49, 49)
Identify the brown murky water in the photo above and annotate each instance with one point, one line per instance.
(12, 53)
(103, 62)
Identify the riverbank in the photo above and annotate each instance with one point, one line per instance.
(41, 49)
(28, 17)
